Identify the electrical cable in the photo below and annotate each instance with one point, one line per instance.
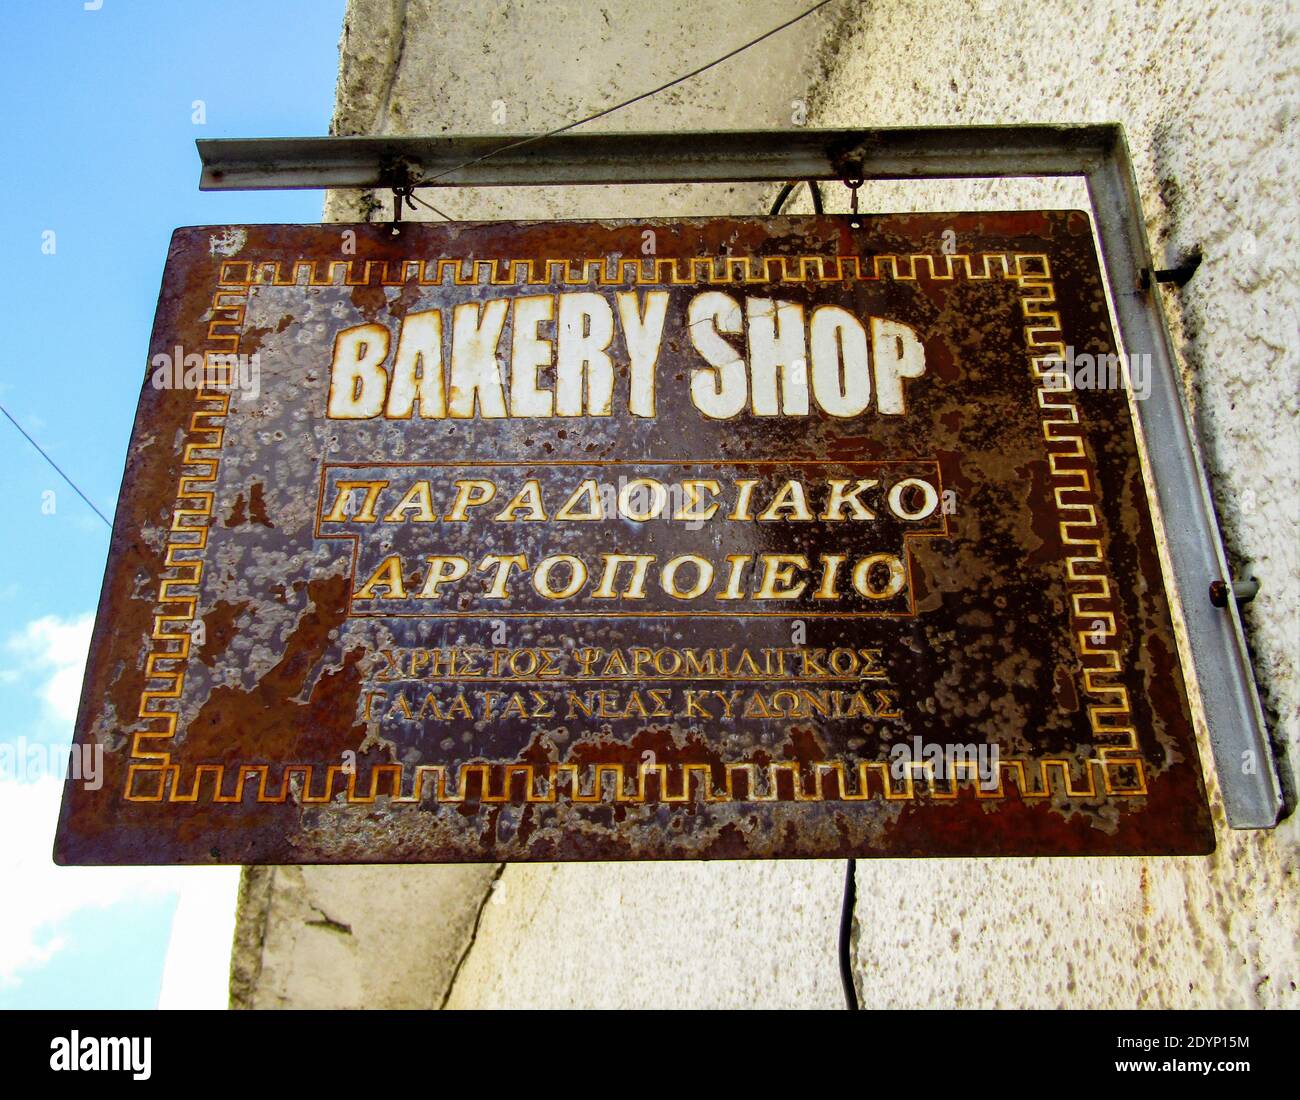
(627, 102)
(816, 190)
(847, 907)
(413, 198)
(784, 194)
(781, 196)
(57, 469)
(848, 903)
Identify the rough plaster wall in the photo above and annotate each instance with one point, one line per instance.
(355, 937)
(527, 66)
(643, 935)
(1208, 94)
(632, 934)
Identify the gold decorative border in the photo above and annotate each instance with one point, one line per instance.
(1032, 778)
(1080, 526)
(643, 271)
(187, 538)
(1117, 763)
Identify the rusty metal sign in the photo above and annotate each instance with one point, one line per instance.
(703, 539)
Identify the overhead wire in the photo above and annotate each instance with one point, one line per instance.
(429, 180)
(788, 188)
(848, 906)
(57, 468)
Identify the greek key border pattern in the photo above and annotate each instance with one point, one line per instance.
(1117, 769)
(187, 537)
(502, 783)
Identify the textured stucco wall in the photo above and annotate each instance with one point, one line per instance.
(1208, 94)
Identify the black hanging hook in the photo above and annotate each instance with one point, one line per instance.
(853, 185)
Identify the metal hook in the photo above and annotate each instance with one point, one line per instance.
(853, 185)
(400, 194)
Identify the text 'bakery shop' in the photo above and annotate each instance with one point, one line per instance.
(789, 355)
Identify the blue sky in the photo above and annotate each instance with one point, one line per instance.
(98, 132)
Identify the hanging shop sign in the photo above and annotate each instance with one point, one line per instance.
(698, 539)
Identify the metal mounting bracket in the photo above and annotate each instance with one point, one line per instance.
(1099, 154)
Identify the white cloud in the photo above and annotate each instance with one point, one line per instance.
(55, 650)
(40, 897)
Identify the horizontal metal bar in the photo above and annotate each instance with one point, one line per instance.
(729, 156)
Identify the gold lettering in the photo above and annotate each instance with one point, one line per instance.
(542, 576)
(896, 576)
(778, 570)
(789, 497)
(503, 563)
(736, 565)
(704, 577)
(691, 499)
(470, 493)
(839, 499)
(595, 510)
(442, 570)
(658, 499)
(829, 589)
(529, 497)
(695, 709)
(344, 491)
(388, 575)
(744, 491)
(418, 500)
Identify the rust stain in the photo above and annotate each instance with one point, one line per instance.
(237, 724)
(219, 629)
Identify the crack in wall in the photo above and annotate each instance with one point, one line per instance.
(329, 923)
(252, 909)
(473, 933)
(394, 66)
